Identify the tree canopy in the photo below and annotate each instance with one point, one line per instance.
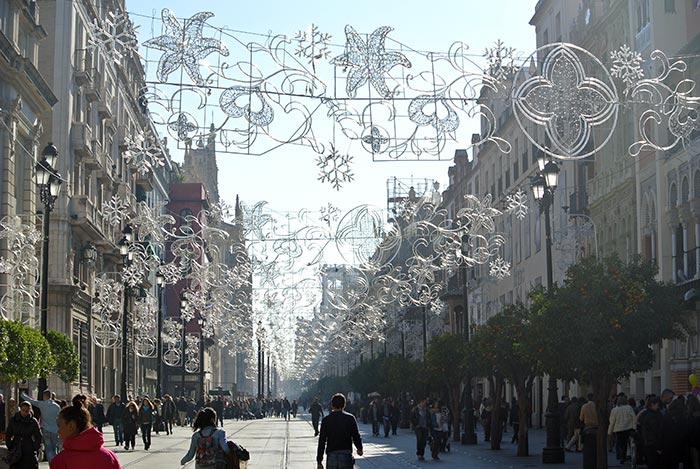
(27, 352)
(66, 359)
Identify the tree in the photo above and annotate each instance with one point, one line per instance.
(66, 359)
(506, 344)
(601, 325)
(27, 353)
(448, 361)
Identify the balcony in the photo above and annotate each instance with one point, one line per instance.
(86, 216)
(104, 108)
(82, 64)
(643, 38)
(81, 140)
(93, 91)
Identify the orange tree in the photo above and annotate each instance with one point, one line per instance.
(448, 361)
(601, 325)
(506, 353)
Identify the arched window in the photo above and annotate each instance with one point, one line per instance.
(673, 196)
(696, 184)
(684, 190)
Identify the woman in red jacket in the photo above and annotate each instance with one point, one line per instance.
(82, 443)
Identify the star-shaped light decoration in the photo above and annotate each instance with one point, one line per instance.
(184, 46)
(369, 60)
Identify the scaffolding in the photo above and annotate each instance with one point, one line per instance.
(399, 192)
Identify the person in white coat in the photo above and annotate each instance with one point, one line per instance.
(622, 423)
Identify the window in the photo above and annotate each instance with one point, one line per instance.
(538, 234)
(185, 215)
(670, 6)
(558, 27)
(516, 173)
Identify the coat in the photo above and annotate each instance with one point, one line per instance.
(86, 449)
(24, 431)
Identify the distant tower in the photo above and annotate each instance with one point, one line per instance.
(200, 165)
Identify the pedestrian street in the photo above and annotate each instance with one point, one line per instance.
(274, 444)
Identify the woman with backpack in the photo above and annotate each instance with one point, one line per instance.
(208, 445)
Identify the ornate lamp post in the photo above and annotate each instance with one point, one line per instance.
(469, 436)
(126, 255)
(202, 324)
(160, 281)
(184, 304)
(49, 184)
(543, 186)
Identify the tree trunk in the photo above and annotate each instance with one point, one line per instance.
(602, 389)
(453, 393)
(524, 397)
(496, 425)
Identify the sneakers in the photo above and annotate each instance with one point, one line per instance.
(421, 458)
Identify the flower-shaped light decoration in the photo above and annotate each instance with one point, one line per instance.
(478, 216)
(375, 138)
(145, 324)
(369, 61)
(182, 125)
(184, 46)
(566, 101)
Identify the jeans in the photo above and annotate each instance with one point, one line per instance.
(118, 432)
(339, 460)
(314, 422)
(50, 444)
(146, 434)
(387, 426)
(421, 440)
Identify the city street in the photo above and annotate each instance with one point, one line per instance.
(275, 444)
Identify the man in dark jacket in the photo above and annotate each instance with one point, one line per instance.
(650, 429)
(23, 430)
(338, 433)
(114, 417)
(421, 422)
(316, 411)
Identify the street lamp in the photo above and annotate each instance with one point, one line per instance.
(126, 255)
(202, 324)
(160, 282)
(469, 436)
(184, 304)
(48, 182)
(543, 186)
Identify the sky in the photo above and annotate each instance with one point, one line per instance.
(287, 178)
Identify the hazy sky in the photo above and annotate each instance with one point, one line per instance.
(288, 177)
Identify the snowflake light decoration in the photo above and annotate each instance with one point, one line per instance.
(626, 65)
(312, 45)
(499, 268)
(115, 210)
(517, 204)
(329, 214)
(500, 60)
(335, 168)
(143, 152)
(116, 36)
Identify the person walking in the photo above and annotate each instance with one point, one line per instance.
(97, 413)
(622, 424)
(146, 421)
(514, 418)
(649, 424)
(589, 417)
(168, 411)
(49, 413)
(83, 444)
(674, 435)
(295, 408)
(339, 432)
(435, 430)
(218, 406)
(23, 432)
(114, 417)
(130, 419)
(182, 411)
(316, 411)
(420, 419)
(208, 443)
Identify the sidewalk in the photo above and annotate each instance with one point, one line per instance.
(475, 456)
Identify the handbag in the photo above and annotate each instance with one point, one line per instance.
(15, 454)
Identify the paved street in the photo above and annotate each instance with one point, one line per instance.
(274, 444)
